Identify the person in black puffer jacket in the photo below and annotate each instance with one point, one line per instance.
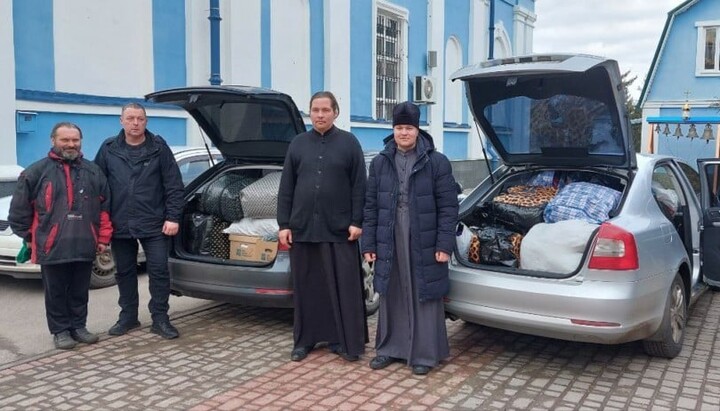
(411, 212)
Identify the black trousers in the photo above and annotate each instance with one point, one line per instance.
(66, 294)
(156, 257)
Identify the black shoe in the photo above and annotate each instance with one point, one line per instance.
(336, 348)
(121, 328)
(165, 330)
(84, 336)
(420, 369)
(299, 353)
(64, 341)
(381, 361)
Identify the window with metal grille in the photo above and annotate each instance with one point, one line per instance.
(388, 65)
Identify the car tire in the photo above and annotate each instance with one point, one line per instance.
(103, 270)
(372, 298)
(668, 341)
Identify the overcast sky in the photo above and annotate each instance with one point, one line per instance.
(625, 30)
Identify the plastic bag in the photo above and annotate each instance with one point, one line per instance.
(267, 228)
(204, 236)
(24, 254)
(495, 245)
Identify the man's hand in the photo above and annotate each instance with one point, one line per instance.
(101, 248)
(442, 256)
(354, 232)
(170, 228)
(285, 237)
(370, 257)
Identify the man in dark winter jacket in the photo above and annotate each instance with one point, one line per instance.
(411, 212)
(60, 207)
(147, 200)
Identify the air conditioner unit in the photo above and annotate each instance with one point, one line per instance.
(424, 90)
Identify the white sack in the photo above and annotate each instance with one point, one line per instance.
(463, 240)
(555, 247)
(267, 228)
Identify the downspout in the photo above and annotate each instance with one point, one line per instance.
(214, 18)
(491, 54)
(491, 29)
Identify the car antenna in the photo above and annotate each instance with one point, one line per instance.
(207, 147)
(487, 162)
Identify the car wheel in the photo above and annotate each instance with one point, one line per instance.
(372, 298)
(103, 271)
(669, 339)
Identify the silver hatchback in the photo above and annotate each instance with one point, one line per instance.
(575, 236)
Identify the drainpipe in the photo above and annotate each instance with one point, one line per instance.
(491, 29)
(214, 18)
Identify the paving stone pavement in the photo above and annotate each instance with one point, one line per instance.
(237, 358)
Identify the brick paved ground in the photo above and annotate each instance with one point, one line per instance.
(232, 357)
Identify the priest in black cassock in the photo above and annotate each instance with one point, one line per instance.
(320, 212)
(411, 212)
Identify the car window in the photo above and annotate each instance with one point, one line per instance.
(667, 191)
(712, 171)
(192, 167)
(693, 177)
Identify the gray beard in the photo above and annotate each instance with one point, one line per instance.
(66, 155)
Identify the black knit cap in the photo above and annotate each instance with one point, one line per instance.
(406, 113)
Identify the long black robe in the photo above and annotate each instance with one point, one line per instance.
(328, 278)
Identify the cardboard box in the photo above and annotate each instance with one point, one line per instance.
(255, 249)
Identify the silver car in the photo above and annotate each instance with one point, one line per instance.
(252, 127)
(559, 121)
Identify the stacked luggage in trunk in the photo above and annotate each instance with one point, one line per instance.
(540, 221)
(234, 217)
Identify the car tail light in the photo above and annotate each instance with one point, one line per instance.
(614, 249)
(282, 247)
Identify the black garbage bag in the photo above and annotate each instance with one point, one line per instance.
(495, 246)
(517, 217)
(203, 235)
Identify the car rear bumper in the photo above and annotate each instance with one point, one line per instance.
(589, 311)
(257, 286)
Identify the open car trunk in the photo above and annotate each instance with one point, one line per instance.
(538, 221)
(231, 217)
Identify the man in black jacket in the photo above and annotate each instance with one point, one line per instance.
(147, 199)
(60, 207)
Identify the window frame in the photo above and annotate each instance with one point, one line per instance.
(702, 30)
(401, 16)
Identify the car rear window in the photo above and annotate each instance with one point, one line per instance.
(527, 125)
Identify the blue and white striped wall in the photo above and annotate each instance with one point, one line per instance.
(81, 60)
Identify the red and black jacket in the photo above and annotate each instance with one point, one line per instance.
(61, 207)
